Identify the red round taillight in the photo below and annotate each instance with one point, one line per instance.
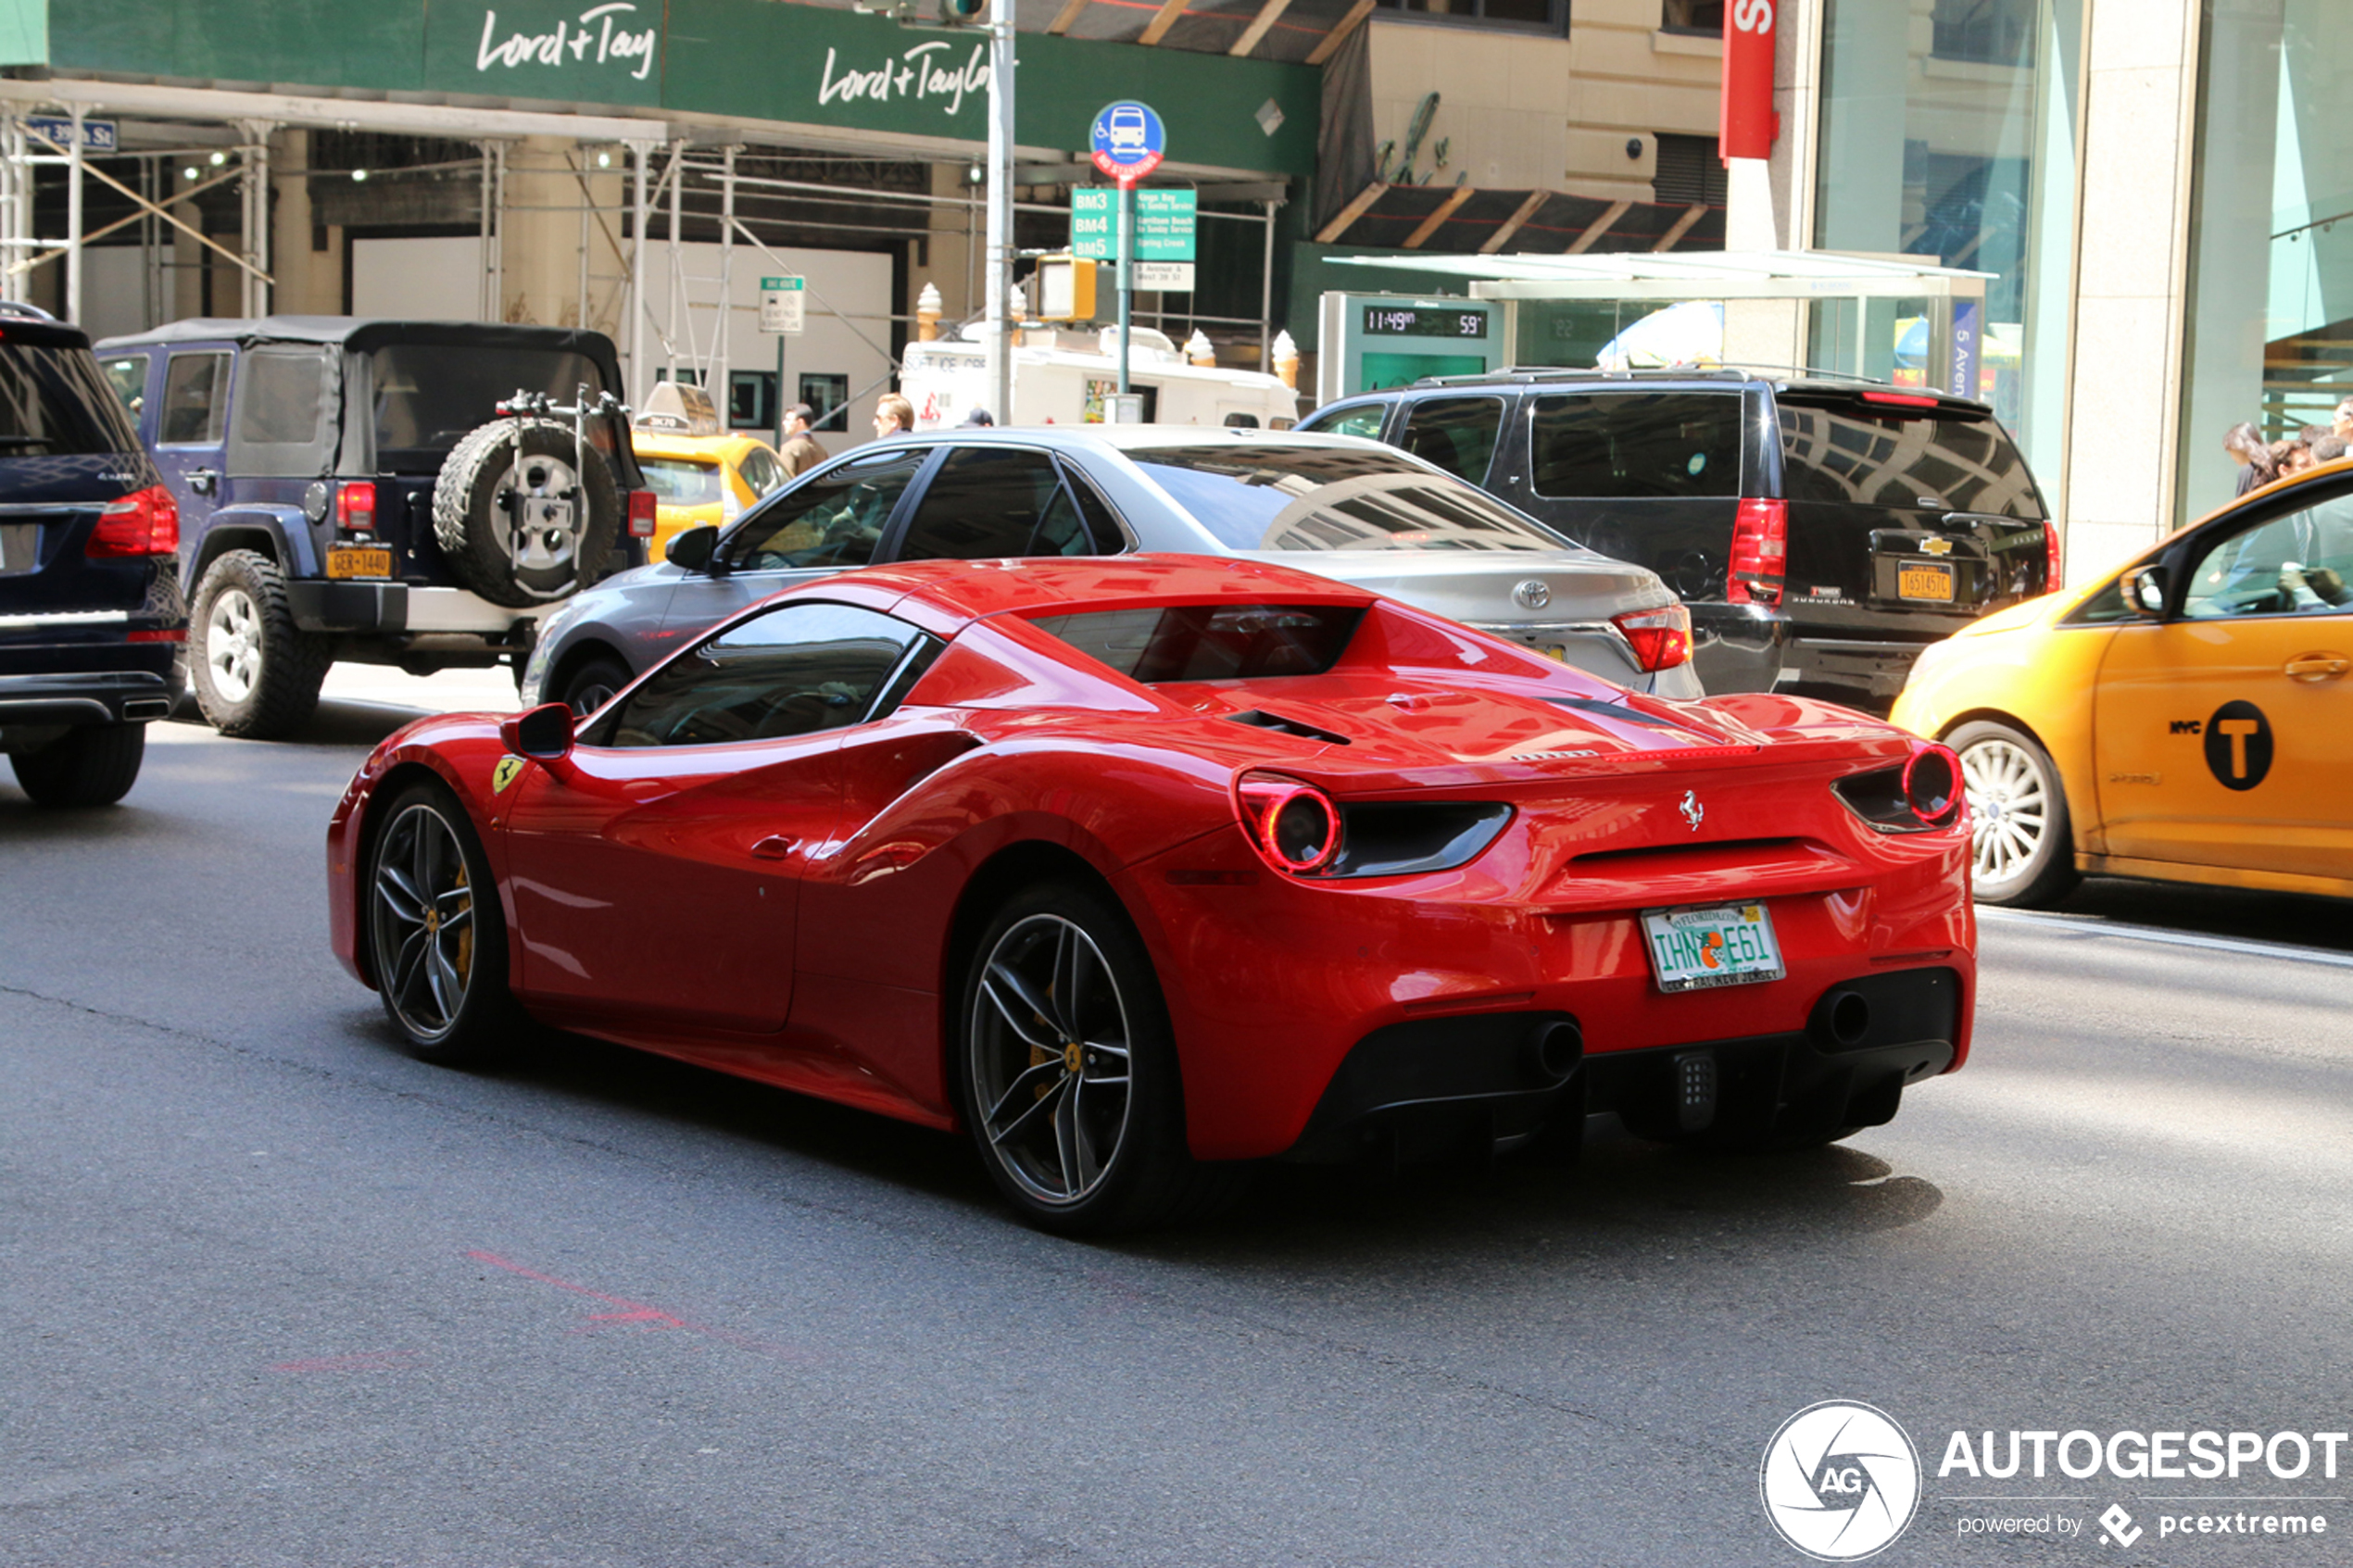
(1294, 825)
(1932, 786)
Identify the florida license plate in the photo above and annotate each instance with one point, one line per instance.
(1923, 580)
(358, 560)
(1692, 949)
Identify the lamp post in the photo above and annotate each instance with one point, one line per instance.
(998, 332)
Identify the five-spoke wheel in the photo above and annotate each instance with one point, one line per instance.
(436, 941)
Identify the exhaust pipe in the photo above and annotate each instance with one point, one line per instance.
(1553, 1052)
(1843, 1020)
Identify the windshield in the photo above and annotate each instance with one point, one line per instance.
(53, 402)
(429, 395)
(1303, 499)
(680, 482)
(1847, 451)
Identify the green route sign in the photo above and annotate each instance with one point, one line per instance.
(1163, 223)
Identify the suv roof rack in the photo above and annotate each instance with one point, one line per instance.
(1738, 370)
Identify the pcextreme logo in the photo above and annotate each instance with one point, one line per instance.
(1839, 1481)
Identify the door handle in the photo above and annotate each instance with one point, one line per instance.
(2313, 667)
(775, 846)
(204, 481)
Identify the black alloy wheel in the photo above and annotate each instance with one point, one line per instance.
(437, 938)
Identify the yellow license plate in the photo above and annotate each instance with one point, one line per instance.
(358, 560)
(1924, 582)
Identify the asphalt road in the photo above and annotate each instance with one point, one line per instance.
(275, 1293)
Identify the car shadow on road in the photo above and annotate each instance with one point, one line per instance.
(1624, 1193)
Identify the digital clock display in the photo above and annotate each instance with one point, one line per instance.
(1389, 320)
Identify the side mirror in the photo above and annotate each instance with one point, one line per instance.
(544, 732)
(2145, 592)
(692, 550)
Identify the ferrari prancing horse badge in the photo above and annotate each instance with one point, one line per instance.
(504, 773)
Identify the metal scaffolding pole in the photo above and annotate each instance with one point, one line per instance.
(581, 317)
(73, 220)
(499, 231)
(718, 378)
(258, 291)
(677, 280)
(997, 334)
(638, 152)
(481, 241)
(1266, 295)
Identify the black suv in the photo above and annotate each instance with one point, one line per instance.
(1823, 531)
(90, 616)
(409, 492)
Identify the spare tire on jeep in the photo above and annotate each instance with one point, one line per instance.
(523, 514)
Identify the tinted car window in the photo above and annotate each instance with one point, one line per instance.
(988, 501)
(429, 395)
(1301, 499)
(1457, 433)
(53, 402)
(1211, 642)
(1840, 452)
(282, 408)
(680, 482)
(797, 669)
(1635, 446)
(195, 399)
(762, 473)
(1102, 523)
(835, 519)
(2300, 564)
(127, 374)
(1364, 419)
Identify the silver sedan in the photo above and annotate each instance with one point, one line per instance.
(1356, 510)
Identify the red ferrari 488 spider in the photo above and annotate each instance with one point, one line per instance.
(1144, 868)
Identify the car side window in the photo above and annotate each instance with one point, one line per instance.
(1629, 445)
(2300, 564)
(195, 400)
(833, 519)
(127, 377)
(1364, 418)
(1457, 433)
(989, 501)
(762, 473)
(800, 668)
(283, 424)
(1101, 522)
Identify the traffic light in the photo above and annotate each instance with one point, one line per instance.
(962, 13)
(1065, 289)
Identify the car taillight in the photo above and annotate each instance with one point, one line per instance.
(2051, 578)
(641, 514)
(1661, 638)
(356, 505)
(1293, 826)
(1932, 786)
(1760, 552)
(146, 522)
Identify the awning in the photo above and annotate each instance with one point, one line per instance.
(1692, 274)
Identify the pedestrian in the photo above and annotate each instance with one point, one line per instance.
(2310, 434)
(2344, 425)
(893, 415)
(801, 451)
(2328, 449)
(2292, 456)
(2245, 443)
(978, 418)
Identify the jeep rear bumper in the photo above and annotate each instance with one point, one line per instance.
(396, 608)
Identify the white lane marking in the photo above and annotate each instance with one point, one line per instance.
(2089, 925)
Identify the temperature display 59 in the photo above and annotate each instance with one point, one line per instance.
(1392, 321)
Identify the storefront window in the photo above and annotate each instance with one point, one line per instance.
(2270, 313)
(1952, 136)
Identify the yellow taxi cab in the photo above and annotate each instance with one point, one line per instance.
(698, 473)
(2184, 718)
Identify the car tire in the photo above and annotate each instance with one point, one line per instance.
(489, 474)
(1062, 998)
(254, 674)
(2022, 842)
(93, 766)
(594, 684)
(435, 934)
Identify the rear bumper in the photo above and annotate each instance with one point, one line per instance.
(1751, 649)
(399, 609)
(1423, 1087)
(110, 696)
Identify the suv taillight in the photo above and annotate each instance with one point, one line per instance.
(146, 522)
(1760, 552)
(356, 505)
(2051, 578)
(641, 514)
(1661, 638)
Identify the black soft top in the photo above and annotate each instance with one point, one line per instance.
(362, 335)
